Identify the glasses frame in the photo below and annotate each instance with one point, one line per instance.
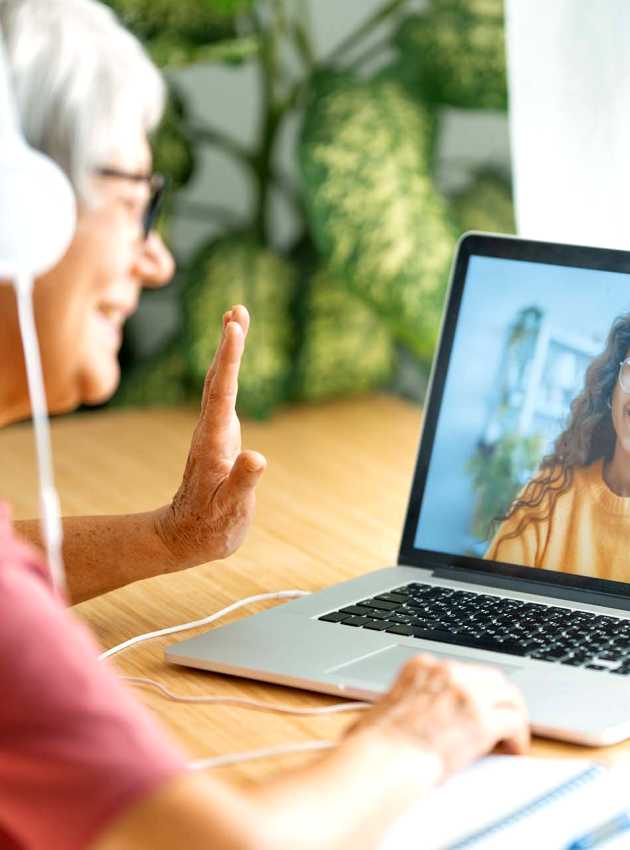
(622, 363)
(158, 184)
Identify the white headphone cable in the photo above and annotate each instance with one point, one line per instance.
(267, 752)
(242, 702)
(51, 526)
(171, 630)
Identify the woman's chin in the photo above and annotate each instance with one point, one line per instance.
(97, 387)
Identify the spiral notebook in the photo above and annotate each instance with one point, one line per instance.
(508, 802)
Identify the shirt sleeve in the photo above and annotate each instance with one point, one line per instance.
(76, 749)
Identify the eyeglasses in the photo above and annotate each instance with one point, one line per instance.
(158, 184)
(624, 375)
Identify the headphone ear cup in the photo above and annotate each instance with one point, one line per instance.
(37, 210)
(37, 204)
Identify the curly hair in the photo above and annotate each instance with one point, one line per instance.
(589, 435)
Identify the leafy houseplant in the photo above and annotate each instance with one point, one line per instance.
(366, 275)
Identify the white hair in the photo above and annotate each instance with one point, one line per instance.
(83, 84)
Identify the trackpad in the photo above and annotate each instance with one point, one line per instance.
(378, 670)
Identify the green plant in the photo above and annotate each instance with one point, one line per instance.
(367, 273)
(497, 473)
(459, 53)
(485, 204)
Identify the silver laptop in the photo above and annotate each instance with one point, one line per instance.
(512, 552)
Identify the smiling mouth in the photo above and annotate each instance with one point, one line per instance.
(115, 314)
(112, 314)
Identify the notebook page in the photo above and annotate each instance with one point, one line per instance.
(571, 817)
(478, 796)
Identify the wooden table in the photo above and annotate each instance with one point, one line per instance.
(331, 505)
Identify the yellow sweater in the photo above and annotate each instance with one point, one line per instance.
(587, 533)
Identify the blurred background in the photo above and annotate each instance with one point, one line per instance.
(324, 158)
(527, 332)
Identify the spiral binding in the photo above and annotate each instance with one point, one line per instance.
(528, 809)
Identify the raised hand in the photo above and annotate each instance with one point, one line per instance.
(214, 505)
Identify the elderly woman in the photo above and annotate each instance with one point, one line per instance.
(82, 765)
(94, 121)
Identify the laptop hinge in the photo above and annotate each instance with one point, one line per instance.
(570, 594)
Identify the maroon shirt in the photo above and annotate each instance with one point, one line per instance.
(76, 749)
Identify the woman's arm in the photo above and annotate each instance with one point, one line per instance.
(102, 553)
(437, 718)
(208, 516)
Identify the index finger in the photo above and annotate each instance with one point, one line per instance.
(221, 385)
(238, 314)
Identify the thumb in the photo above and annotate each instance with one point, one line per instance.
(246, 472)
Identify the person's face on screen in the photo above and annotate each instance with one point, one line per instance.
(620, 412)
(82, 303)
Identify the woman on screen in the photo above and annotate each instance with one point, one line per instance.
(574, 514)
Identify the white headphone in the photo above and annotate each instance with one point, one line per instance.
(37, 223)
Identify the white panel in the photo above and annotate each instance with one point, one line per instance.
(569, 77)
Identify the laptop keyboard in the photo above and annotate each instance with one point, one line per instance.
(482, 621)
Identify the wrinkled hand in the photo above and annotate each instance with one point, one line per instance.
(454, 711)
(214, 506)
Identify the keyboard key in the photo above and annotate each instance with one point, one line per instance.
(375, 614)
(358, 610)
(561, 612)
(608, 656)
(407, 631)
(379, 604)
(464, 595)
(481, 642)
(603, 620)
(418, 602)
(392, 597)
(396, 617)
(356, 621)
(376, 626)
(335, 617)
(553, 654)
(422, 624)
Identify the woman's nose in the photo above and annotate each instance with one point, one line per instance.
(154, 265)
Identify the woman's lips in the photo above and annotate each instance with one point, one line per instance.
(110, 320)
(116, 311)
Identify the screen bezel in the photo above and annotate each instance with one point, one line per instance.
(509, 248)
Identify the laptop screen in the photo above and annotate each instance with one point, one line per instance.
(525, 460)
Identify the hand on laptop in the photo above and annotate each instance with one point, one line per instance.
(455, 711)
(213, 508)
